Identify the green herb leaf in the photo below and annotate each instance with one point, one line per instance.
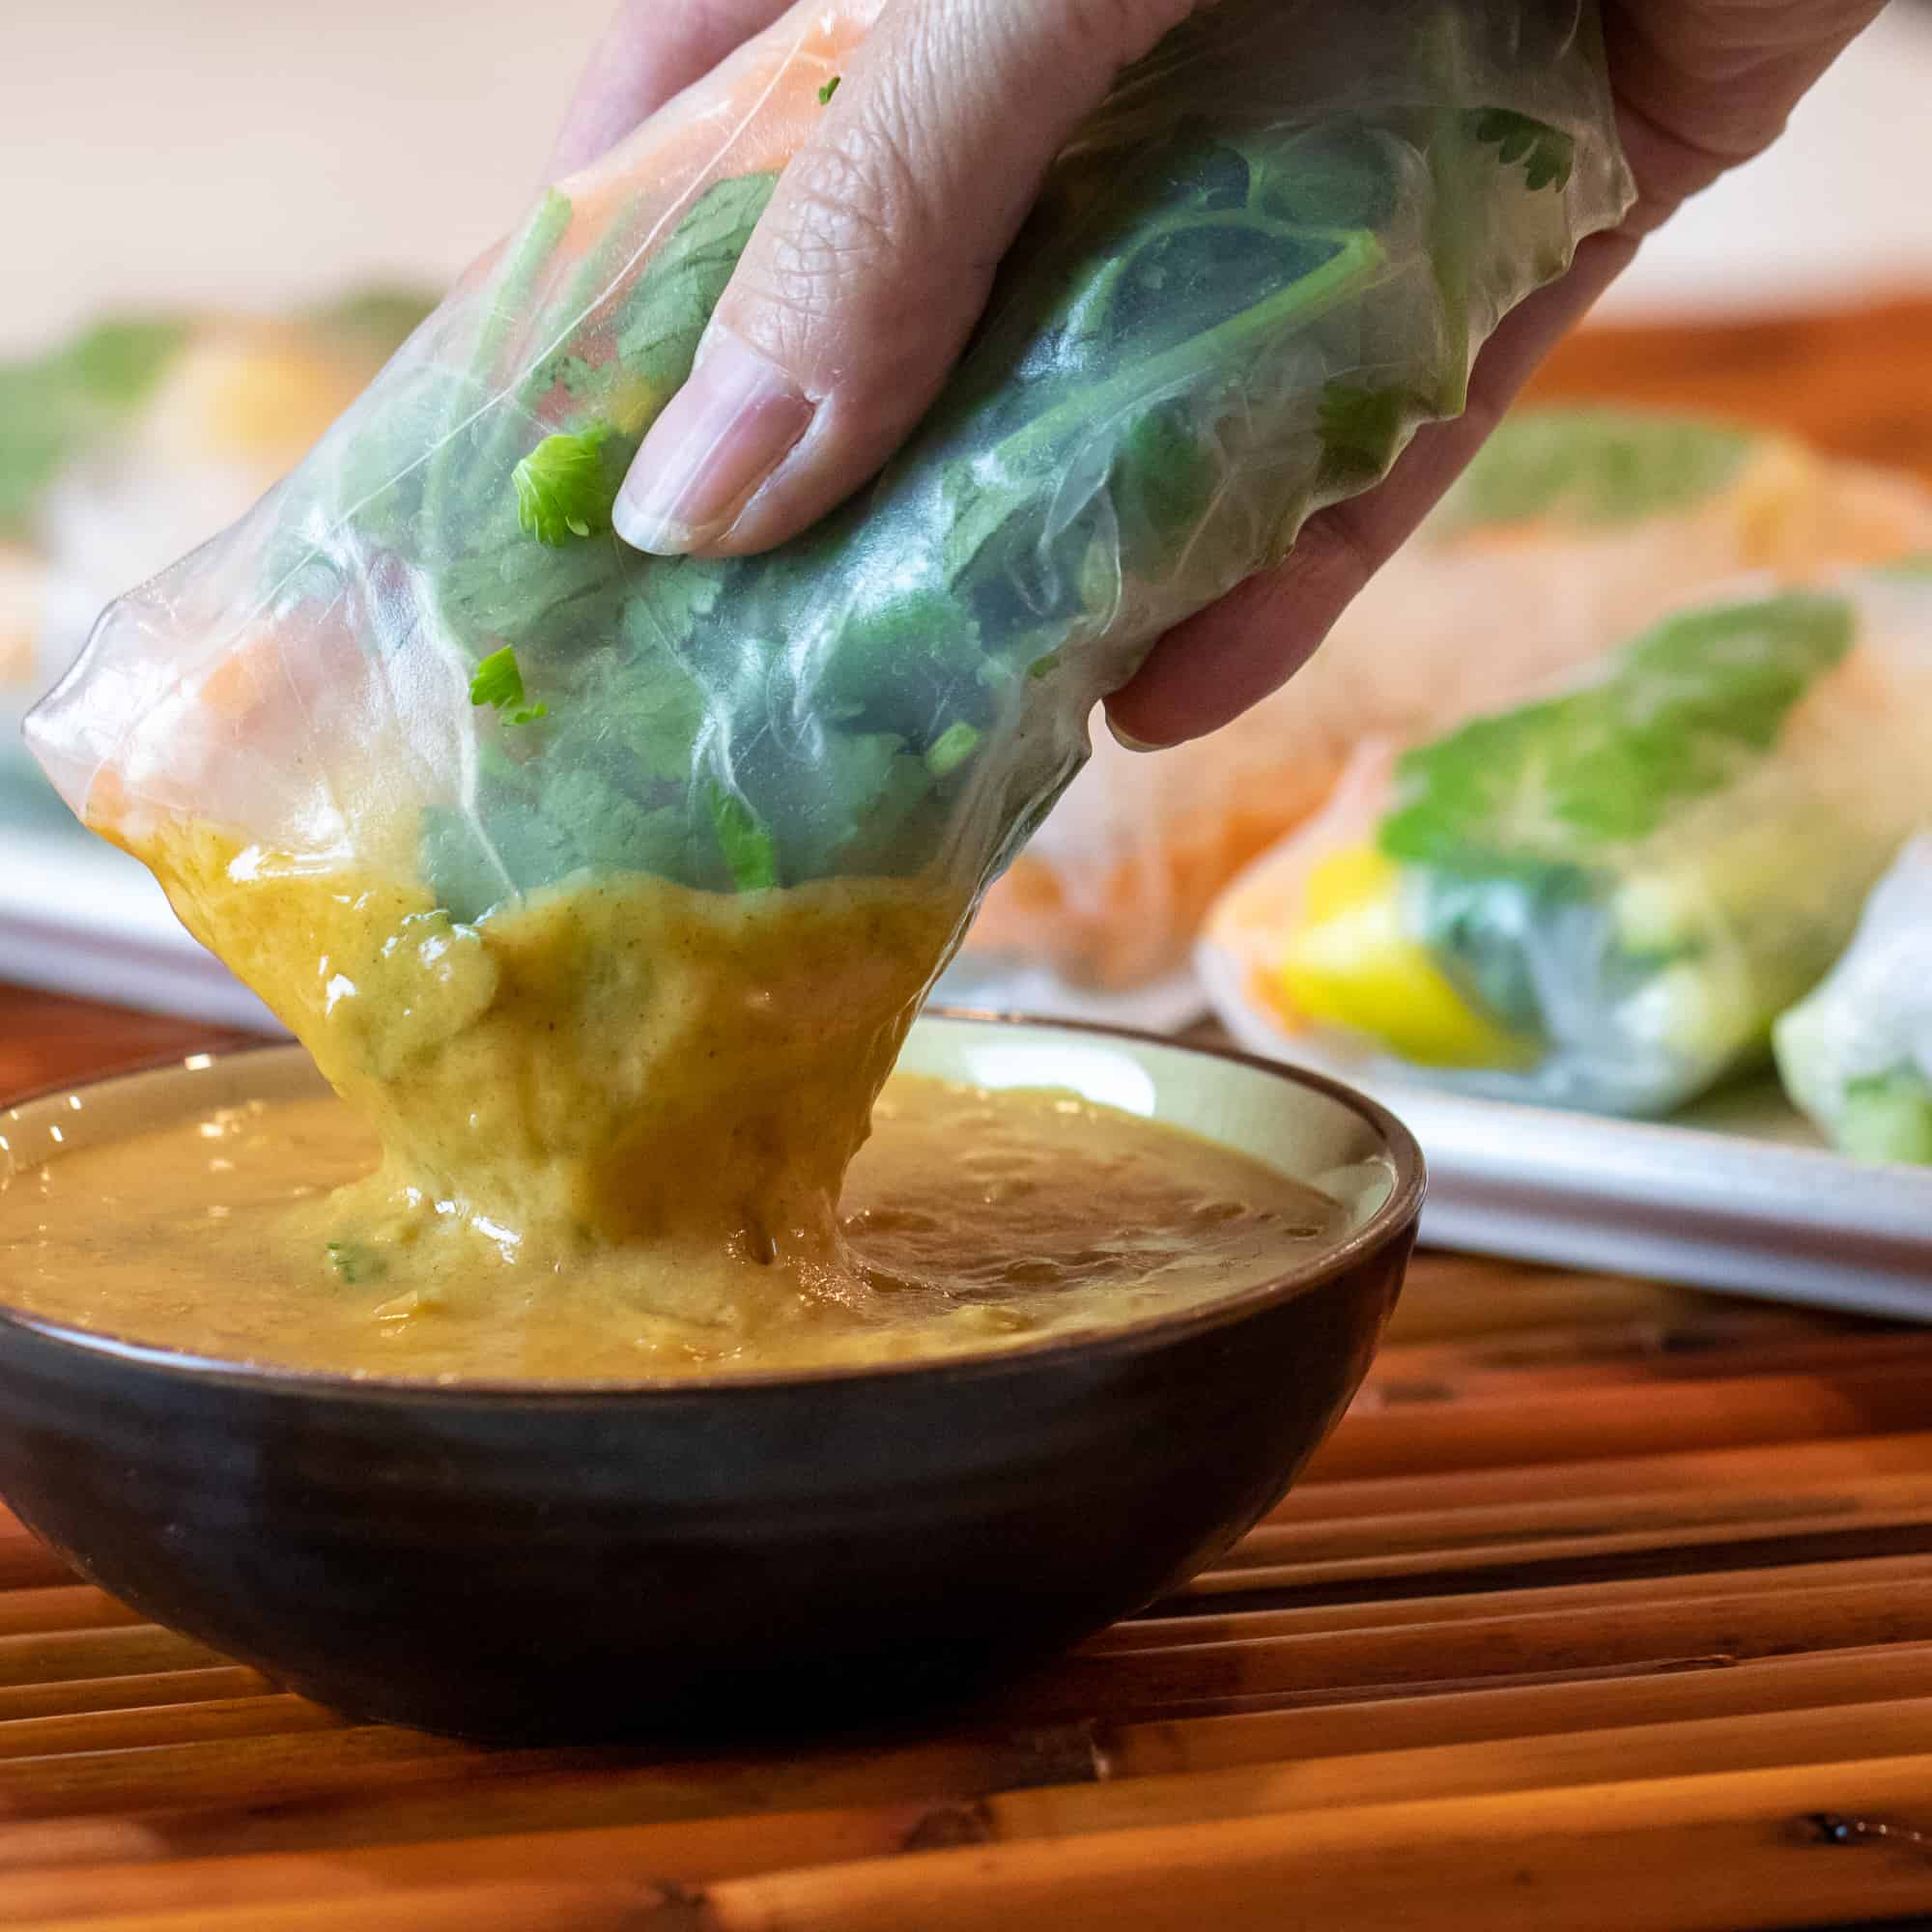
(1076, 468)
(498, 680)
(1685, 710)
(749, 855)
(1360, 428)
(951, 748)
(564, 488)
(1548, 154)
(830, 88)
(356, 1261)
(672, 299)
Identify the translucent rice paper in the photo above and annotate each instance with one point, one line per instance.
(1271, 255)
(1582, 526)
(1603, 900)
(1857, 1054)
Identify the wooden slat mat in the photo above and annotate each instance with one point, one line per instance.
(1606, 1606)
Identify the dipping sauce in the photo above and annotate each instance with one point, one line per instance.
(618, 1129)
(970, 1221)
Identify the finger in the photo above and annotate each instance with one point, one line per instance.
(1230, 655)
(873, 262)
(652, 51)
(1705, 84)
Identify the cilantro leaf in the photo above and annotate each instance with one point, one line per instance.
(610, 830)
(750, 854)
(564, 488)
(673, 297)
(498, 680)
(830, 88)
(1548, 154)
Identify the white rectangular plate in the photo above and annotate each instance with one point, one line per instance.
(1737, 1193)
(79, 917)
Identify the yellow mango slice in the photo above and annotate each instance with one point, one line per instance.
(1351, 964)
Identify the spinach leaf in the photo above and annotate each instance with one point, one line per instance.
(817, 710)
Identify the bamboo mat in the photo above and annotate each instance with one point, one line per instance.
(1606, 1606)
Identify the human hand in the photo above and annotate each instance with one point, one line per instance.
(873, 262)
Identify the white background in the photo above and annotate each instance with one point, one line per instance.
(255, 151)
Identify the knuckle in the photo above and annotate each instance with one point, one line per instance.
(851, 201)
(854, 221)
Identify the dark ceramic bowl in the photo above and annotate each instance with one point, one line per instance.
(710, 1558)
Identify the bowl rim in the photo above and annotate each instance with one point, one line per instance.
(1396, 1218)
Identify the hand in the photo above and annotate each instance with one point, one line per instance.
(869, 268)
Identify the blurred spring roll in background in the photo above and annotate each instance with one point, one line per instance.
(1857, 1054)
(130, 443)
(1572, 530)
(1603, 899)
(420, 709)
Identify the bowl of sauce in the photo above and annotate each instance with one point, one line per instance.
(1090, 1303)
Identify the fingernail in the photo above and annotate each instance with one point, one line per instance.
(734, 421)
(1126, 742)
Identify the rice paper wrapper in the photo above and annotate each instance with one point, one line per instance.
(1267, 259)
(1572, 530)
(1603, 899)
(1856, 1055)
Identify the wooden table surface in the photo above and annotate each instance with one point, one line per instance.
(1606, 1606)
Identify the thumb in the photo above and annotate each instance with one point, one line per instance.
(868, 271)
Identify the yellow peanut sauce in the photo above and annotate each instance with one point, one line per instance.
(618, 1129)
